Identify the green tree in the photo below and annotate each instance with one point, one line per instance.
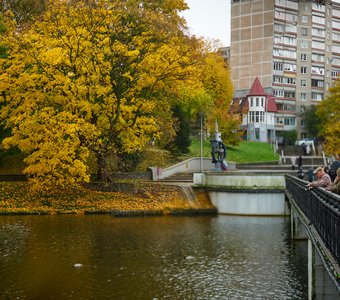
(328, 112)
(182, 139)
(312, 121)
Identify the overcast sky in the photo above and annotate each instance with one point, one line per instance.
(209, 19)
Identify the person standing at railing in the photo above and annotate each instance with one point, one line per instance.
(335, 187)
(323, 180)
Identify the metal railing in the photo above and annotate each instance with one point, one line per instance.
(322, 208)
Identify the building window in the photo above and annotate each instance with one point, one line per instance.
(317, 96)
(303, 96)
(283, 80)
(278, 93)
(318, 7)
(278, 66)
(290, 121)
(302, 123)
(303, 57)
(318, 20)
(318, 45)
(303, 82)
(318, 57)
(336, 36)
(289, 94)
(336, 60)
(336, 24)
(318, 70)
(317, 83)
(304, 19)
(336, 49)
(304, 44)
(284, 53)
(335, 73)
(303, 70)
(289, 67)
(318, 32)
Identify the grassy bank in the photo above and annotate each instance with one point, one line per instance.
(16, 198)
(246, 152)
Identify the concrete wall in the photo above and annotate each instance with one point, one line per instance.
(190, 165)
(239, 181)
(259, 204)
(245, 194)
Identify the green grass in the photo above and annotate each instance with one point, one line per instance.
(246, 152)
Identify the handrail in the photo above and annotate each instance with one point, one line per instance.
(322, 208)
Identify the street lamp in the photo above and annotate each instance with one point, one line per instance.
(201, 160)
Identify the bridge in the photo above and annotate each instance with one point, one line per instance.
(315, 215)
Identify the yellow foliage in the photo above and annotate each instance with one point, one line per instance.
(82, 78)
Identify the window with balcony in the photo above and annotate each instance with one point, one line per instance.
(278, 93)
(289, 67)
(336, 24)
(283, 80)
(335, 48)
(317, 83)
(318, 20)
(317, 96)
(291, 28)
(289, 121)
(336, 36)
(335, 73)
(289, 94)
(284, 53)
(318, 7)
(318, 45)
(318, 70)
(336, 13)
(336, 60)
(318, 32)
(318, 57)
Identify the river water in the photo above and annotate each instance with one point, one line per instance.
(102, 257)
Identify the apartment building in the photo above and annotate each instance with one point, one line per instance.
(292, 47)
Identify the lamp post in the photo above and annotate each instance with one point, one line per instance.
(201, 158)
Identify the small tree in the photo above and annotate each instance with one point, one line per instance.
(182, 139)
(312, 121)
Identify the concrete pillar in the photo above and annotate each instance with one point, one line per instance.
(311, 274)
(298, 230)
(320, 285)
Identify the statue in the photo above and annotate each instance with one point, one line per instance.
(218, 151)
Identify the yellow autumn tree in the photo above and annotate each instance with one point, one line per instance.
(329, 111)
(217, 85)
(88, 76)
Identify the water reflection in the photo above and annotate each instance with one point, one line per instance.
(220, 257)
